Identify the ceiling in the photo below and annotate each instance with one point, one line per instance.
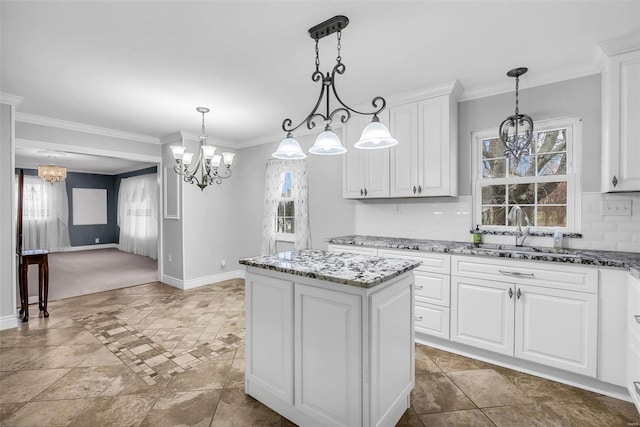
(143, 67)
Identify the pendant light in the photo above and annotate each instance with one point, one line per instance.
(516, 132)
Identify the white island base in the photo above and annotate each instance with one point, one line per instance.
(324, 353)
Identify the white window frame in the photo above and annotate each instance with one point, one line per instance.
(285, 237)
(574, 154)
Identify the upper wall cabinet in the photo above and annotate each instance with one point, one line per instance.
(425, 162)
(365, 172)
(621, 114)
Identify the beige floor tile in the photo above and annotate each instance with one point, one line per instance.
(7, 410)
(236, 376)
(188, 408)
(410, 419)
(101, 357)
(22, 386)
(437, 393)
(236, 409)
(52, 413)
(450, 362)
(595, 414)
(627, 409)
(15, 358)
(81, 383)
(65, 356)
(210, 375)
(531, 415)
(467, 418)
(115, 411)
(423, 364)
(128, 382)
(486, 387)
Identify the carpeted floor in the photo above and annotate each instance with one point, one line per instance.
(86, 272)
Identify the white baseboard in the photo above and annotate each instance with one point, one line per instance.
(88, 247)
(8, 322)
(202, 281)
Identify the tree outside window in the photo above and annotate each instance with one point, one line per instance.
(285, 216)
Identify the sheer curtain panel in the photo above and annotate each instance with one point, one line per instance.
(276, 170)
(138, 215)
(45, 215)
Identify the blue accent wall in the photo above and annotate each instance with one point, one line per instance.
(84, 235)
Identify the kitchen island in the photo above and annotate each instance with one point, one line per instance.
(329, 336)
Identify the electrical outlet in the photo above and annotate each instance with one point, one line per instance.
(97, 240)
(616, 208)
(223, 263)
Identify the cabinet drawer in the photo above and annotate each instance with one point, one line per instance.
(432, 320)
(432, 288)
(431, 261)
(353, 249)
(633, 372)
(550, 275)
(633, 306)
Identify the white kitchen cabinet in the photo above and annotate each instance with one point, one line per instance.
(482, 314)
(365, 172)
(424, 163)
(327, 383)
(621, 114)
(525, 312)
(353, 249)
(633, 343)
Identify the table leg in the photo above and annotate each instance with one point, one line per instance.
(25, 292)
(45, 270)
(20, 280)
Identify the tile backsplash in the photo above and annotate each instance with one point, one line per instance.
(450, 218)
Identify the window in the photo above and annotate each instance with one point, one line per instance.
(285, 216)
(542, 182)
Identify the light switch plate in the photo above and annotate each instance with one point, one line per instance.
(616, 208)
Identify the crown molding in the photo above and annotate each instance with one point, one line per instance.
(67, 148)
(81, 127)
(7, 98)
(622, 44)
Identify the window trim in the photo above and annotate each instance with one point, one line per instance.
(574, 155)
(285, 237)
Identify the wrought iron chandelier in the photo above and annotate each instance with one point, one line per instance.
(52, 173)
(516, 132)
(213, 167)
(374, 136)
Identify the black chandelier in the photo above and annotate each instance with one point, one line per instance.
(516, 132)
(374, 136)
(208, 162)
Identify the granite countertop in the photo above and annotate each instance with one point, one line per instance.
(628, 260)
(362, 271)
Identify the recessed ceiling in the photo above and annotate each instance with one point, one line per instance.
(144, 67)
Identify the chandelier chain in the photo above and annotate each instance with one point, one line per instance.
(339, 46)
(517, 101)
(317, 57)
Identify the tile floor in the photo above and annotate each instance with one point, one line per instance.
(152, 355)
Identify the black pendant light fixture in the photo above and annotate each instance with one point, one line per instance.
(516, 132)
(375, 135)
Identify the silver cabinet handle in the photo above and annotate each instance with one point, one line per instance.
(515, 273)
(361, 192)
(637, 317)
(614, 181)
(414, 189)
(418, 318)
(419, 189)
(420, 287)
(510, 293)
(365, 191)
(519, 293)
(637, 384)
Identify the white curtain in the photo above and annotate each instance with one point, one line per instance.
(276, 170)
(45, 215)
(138, 215)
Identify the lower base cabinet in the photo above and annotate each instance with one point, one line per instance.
(328, 354)
(633, 341)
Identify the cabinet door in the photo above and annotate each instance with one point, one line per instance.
(621, 122)
(269, 335)
(557, 328)
(633, 340)
(404, 156)
(328, 364)
(437, 159)
(482, 313)
(353, 163)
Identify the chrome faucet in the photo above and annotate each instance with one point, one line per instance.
(516, 214)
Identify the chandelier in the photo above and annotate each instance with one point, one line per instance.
(374, 136)
(52, 173)
(516, 132)
(213, 167)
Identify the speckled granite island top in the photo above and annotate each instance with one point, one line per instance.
(628, 260)
(362, 271)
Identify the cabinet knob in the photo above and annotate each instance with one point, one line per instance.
(414, 189)
(361, 191)
(637, 317)
(420, 287)
(519, 294)
(510, 293)
(418, 318)
(365, 191)
(419, 189)
(614, 181)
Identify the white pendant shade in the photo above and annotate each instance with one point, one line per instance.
(228, 158)
(375, 136)
(327, 144)
(178, 151)
(289, 149)
(208, 151)
(186, 158)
